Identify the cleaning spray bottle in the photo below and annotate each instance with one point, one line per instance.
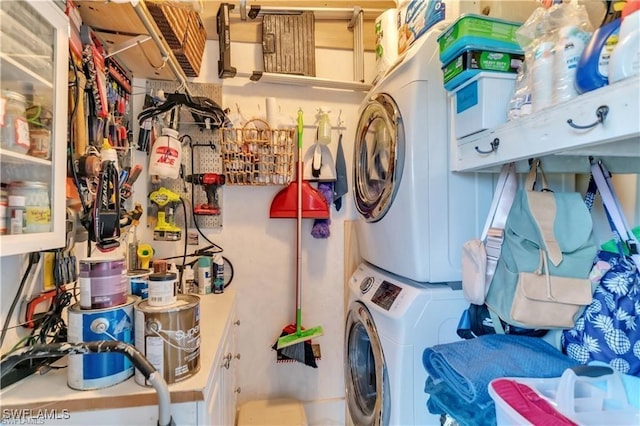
(218, 275)
(593, 67)
(166, 155)
(324, 126)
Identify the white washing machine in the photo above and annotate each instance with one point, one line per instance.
(390, 321)
(414, 214)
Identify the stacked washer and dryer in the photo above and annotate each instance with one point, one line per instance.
(414, 216)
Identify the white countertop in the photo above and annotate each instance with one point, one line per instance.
(51, 391)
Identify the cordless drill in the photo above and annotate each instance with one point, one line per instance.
(210, 182)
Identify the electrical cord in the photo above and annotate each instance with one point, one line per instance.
(34, 258)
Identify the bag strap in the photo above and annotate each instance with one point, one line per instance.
(502, 199)
(542, 205)
(493, 232)
(611, 203)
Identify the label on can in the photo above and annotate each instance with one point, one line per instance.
(162, 289)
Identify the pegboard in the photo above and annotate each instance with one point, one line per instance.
(206, 147)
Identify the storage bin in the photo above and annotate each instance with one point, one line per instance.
(473, 61)
(482, 102)
(587, 395)
(476, 31)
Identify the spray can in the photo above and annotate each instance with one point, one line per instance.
(218, 268)
(204, 275)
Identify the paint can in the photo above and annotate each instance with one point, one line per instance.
(99, 370)
(169, 337)
(162, 289)
(139, 282)
(103, 283)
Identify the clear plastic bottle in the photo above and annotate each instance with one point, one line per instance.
(324, 126)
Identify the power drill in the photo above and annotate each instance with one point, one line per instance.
(210, 182)
(166, 228)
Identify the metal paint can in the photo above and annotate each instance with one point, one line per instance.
(169, 337)
(162, 289)
(139, 282)
(103, 283)
(97, 371)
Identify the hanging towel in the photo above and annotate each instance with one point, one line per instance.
(341, 186)
(468, 366)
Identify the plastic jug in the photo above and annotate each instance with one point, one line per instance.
(166, 155)
(324, 127)
(625, 59)
(593, 67)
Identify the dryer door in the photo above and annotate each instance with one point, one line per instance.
(378, 157)
(367, 384)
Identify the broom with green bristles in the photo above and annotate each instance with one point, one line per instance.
(297, 344)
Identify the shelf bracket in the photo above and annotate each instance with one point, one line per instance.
(356, 24)
(127, 45)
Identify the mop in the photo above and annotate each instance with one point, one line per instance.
(295, 343)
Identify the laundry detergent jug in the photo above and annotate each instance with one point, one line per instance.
(593, 67)
(166, 155)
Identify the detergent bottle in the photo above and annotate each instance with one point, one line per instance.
(625, 59)
(593, 67)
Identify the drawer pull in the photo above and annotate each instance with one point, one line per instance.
(601, 113)
(494, 147)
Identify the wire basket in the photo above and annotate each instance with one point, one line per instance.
(256, 154)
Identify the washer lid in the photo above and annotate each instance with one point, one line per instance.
(367, 396)
(378, 157)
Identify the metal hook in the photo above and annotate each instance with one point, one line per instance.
(494, 147)
(340, 121)
(601, 113)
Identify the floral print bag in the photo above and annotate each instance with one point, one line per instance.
(609, 328)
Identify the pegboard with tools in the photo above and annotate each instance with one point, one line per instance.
(206, 160)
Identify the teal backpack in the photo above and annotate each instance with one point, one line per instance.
(566, 251)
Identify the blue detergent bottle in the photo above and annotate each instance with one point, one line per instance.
(592, 71)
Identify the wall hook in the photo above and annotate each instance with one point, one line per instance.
(494, 147)
(601, 113)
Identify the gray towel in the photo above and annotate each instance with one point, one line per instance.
(341, 186)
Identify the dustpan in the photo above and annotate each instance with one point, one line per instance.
(285, 203)
(318, 164)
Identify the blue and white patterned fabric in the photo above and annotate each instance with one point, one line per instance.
(609, 328)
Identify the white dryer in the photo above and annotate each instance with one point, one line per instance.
(389, 323)
(414, 214)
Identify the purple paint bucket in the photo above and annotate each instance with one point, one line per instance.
(103, 283)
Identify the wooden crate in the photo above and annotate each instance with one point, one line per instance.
(184, 32)
(288, 44)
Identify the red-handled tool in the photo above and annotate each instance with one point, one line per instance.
(134, 173)
(31, 315)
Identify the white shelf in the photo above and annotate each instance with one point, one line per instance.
(301, 80)
(547, 134)
(12, 157)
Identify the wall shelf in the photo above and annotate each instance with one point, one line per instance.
(548, 134)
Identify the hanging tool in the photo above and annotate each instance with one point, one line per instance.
(166, 228)
(211, 182)
(205, 111)
(134, 173)
(296, 344)
(102, 219)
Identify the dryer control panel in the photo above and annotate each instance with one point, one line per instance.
(386, 295)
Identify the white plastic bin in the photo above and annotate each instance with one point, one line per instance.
(482, 102)
(587, 395)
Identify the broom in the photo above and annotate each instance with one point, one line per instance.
(296, 344)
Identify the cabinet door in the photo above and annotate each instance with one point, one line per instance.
(33, 133)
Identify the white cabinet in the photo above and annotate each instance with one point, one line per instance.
(221, 399)
(565, 148)
(33, 108)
